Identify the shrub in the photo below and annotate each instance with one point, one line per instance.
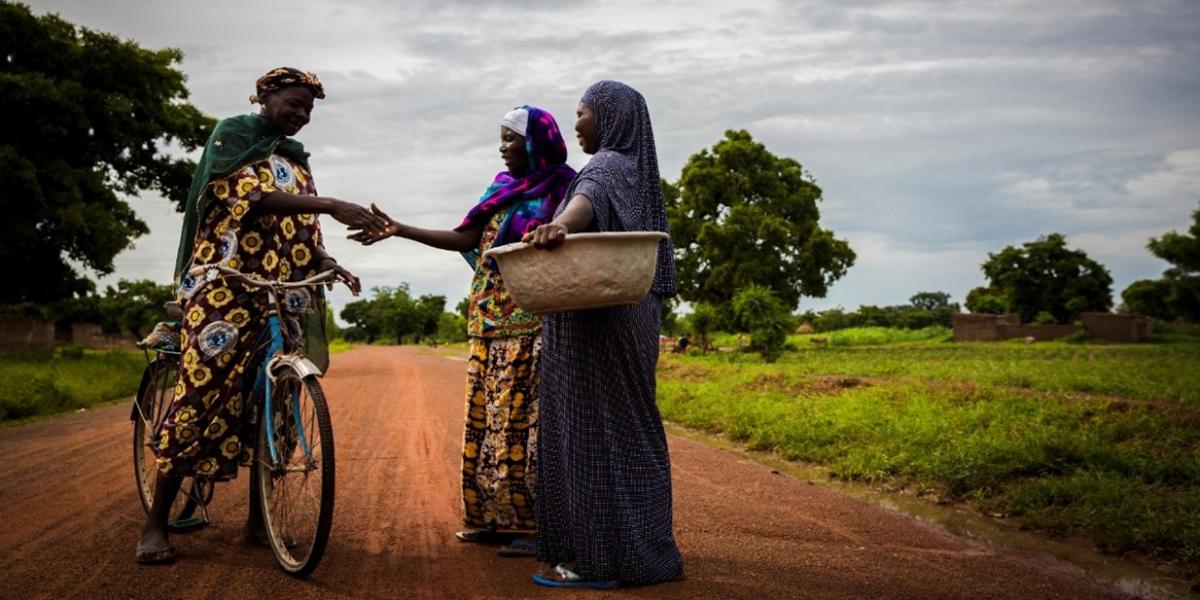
(758, 311)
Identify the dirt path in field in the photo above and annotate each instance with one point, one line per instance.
(69, 518)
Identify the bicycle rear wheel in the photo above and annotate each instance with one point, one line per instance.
(155, 395)
(296, 486)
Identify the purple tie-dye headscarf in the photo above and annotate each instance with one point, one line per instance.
(622, 179)
(533, 197)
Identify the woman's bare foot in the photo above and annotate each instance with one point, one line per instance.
(154, 548)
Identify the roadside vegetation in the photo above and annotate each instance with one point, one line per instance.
(1070, 439)
(43, 383)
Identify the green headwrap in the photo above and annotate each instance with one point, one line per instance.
(235, 143)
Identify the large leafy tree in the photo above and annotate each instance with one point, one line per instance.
(86, 119)
(1177, 294)
(1148, 297)
(741, 216)
(134, 306)
(391, 313)
(1045, 276)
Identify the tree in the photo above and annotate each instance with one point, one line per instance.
(1148, 297)
(452, 328)
(702, 321)
(86, 117)
(668, 320)
(757, 311)
(930, 301)
(928, 308)
(134, 306)
(985, 300)
(463, 306)
(741, 216)
(1046, 276)
(1182, 281)
(392, 314)
(428, 309)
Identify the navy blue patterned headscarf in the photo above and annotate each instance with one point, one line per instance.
(622, 178)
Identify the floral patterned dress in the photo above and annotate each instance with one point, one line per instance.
(210, 426)
(499, 466)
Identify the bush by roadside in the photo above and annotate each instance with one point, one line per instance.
(43, 383)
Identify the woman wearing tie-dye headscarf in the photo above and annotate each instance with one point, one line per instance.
(499, 468)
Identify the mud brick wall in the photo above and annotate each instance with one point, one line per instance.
(1117, 328)
(1102, 326)
(19, 333)
(981, 328)
(89, 335)
(993, 328)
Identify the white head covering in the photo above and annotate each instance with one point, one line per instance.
(516, 119)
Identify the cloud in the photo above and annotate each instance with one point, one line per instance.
(939, 131)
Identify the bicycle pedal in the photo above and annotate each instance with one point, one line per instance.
(187, 525)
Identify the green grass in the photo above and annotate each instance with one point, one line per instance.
(34, 384)
(855, 336)
(338, 345)
(1095, 440)
(42, 383)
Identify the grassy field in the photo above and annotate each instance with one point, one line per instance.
(854, 336)
(34, 384)
(42, 383)
(1097, 440)
(338, 345)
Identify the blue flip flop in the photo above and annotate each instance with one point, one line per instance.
(571, 580)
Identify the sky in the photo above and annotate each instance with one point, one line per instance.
(938, 131)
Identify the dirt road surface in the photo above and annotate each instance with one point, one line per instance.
(69, 518)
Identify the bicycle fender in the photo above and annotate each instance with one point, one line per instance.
(300, 364)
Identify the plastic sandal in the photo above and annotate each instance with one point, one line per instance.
(566, 578)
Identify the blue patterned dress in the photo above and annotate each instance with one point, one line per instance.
(604, 489)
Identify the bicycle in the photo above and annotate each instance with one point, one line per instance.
(294, 446)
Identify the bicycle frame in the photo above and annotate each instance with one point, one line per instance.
(276, 351)
(266, 378)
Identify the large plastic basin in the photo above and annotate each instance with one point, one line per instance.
(589, 270)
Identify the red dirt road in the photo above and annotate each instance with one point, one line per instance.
(69, 518)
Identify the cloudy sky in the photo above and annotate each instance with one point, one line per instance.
(939, 131)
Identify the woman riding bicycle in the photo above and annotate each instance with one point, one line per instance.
(252, 207)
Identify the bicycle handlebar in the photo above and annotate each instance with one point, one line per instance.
(256, 281)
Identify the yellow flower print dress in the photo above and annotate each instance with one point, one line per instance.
(499, 467)
(210, 426)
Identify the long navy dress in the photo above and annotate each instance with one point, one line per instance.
(604, 497)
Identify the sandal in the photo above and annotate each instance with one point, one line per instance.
(562, 577)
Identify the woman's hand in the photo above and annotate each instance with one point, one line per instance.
(355, 217)
(547, 237)
(387, 228)
(352, 282)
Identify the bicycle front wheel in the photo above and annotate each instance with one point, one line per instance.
(296, 482)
